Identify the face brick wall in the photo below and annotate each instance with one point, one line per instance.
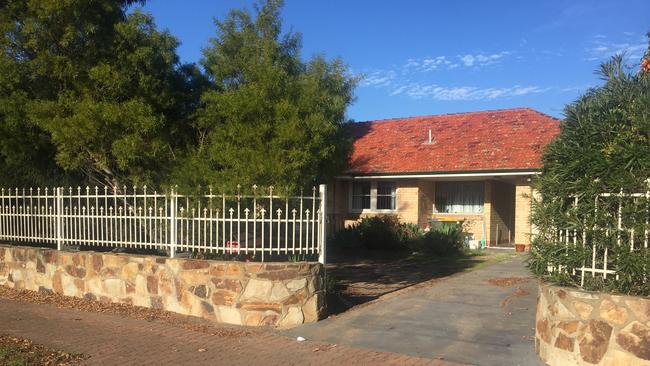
(523, 209)
(277, 294)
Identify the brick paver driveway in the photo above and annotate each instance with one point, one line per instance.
(116, 340)
(463, 318)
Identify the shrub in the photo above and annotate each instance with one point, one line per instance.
(443, 241)
(383, 232)
(387, 233)
(603, 146)
(379, 232)
(346, 238)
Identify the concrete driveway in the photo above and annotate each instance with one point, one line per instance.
(464, 319)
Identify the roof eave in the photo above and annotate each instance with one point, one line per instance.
(441, 174)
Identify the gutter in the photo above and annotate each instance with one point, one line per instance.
(441, 175)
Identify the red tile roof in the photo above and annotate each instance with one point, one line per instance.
(508, 139)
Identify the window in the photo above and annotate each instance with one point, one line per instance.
(385, 195)
(459, 197)
(373, 195)
(360, 195)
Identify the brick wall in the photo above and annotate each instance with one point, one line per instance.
(427, 197)
(523, 209)
(254, 294)
(408, 200)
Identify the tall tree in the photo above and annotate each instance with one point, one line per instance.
(269, 117)
(97, 90)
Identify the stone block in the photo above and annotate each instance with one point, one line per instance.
(287, 274)
(569, 326)
(235, 270)
(257, 289)
(223, 297)
(200, 291)
(594, 340)
(635, 338)
(640, 308)
(152, 285)
(292, 318)
(297, 284)
(141, 285)
(228, 314)
(312, 308)
(129, 271)
(564, 342)
(261, 306)
(612, 312)
(233, 285)
(190, 264)
(279, 292)
(114, 288)
(543, 330)
(583, 309)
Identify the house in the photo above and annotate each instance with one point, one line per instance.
(471, 167)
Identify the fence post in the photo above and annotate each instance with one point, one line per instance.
(59, 218)
(172, 224)
(323, 224)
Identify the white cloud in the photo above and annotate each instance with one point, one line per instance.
(481, 59)
(601, 47)
(433, 91)
(426, 64)
(398, 91)
(378, 79)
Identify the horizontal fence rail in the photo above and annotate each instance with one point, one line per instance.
(254, 226)
(606, 227)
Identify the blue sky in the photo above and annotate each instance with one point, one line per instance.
(431, 57)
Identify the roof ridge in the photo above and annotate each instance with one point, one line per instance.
(458, 113)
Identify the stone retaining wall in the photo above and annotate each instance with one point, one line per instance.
(277, 294)
(576, 327)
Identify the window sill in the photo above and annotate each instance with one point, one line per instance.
(457, 216)
(371, 211)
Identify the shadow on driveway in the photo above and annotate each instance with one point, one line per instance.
(363, 276)
(482, 317)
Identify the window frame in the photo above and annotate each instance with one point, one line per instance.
(436, 196)
(373, 198)
(392, 195)
(352, 196)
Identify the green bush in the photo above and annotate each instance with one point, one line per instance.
(346, 238)
(603, 146)
(442, 241)
(387, 233)
(383, 232)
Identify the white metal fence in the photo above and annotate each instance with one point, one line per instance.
(257, 226)
(609, 225)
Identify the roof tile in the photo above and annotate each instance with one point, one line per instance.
(508, 139)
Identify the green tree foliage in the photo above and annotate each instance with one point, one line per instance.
(89, 91)
(604, 146)
(604, 143)
(268, 117)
